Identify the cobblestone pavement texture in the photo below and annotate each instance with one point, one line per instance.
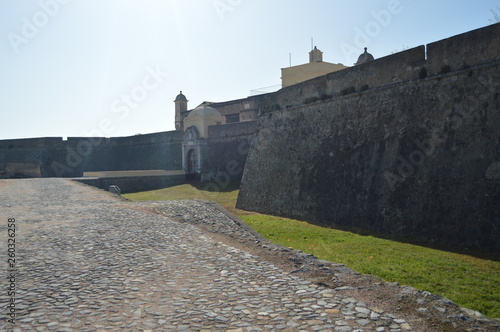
(87, 260)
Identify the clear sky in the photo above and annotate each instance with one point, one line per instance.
(113, 67)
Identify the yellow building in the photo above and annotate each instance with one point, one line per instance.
(202, 117)
(316, 67)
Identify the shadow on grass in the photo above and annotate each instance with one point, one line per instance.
(412, 240)
(214, 187)
(405, 239)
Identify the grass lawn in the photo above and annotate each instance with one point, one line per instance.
(471, 282)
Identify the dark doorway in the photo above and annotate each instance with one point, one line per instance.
(191, 161)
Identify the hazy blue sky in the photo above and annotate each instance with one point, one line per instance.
(114, 67)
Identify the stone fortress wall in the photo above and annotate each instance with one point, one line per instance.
(474, 47)
(388, 146)
(228, 148)
(72, 157)
(404, 144)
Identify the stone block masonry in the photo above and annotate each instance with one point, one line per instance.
(461, 51)
(72, 157)
(228, 148)
(417, 157)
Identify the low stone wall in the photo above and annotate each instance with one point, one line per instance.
(134, 183)
(124, 174)
(21, 169)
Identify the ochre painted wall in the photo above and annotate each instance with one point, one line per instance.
(296, 74)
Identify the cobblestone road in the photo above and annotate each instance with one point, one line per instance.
(87, 260)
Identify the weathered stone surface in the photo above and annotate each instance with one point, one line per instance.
(414, 158)
(64, 158)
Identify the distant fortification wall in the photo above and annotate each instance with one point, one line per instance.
(70, 158)
(411, 152)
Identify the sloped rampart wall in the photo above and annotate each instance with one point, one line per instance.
(414, 156)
